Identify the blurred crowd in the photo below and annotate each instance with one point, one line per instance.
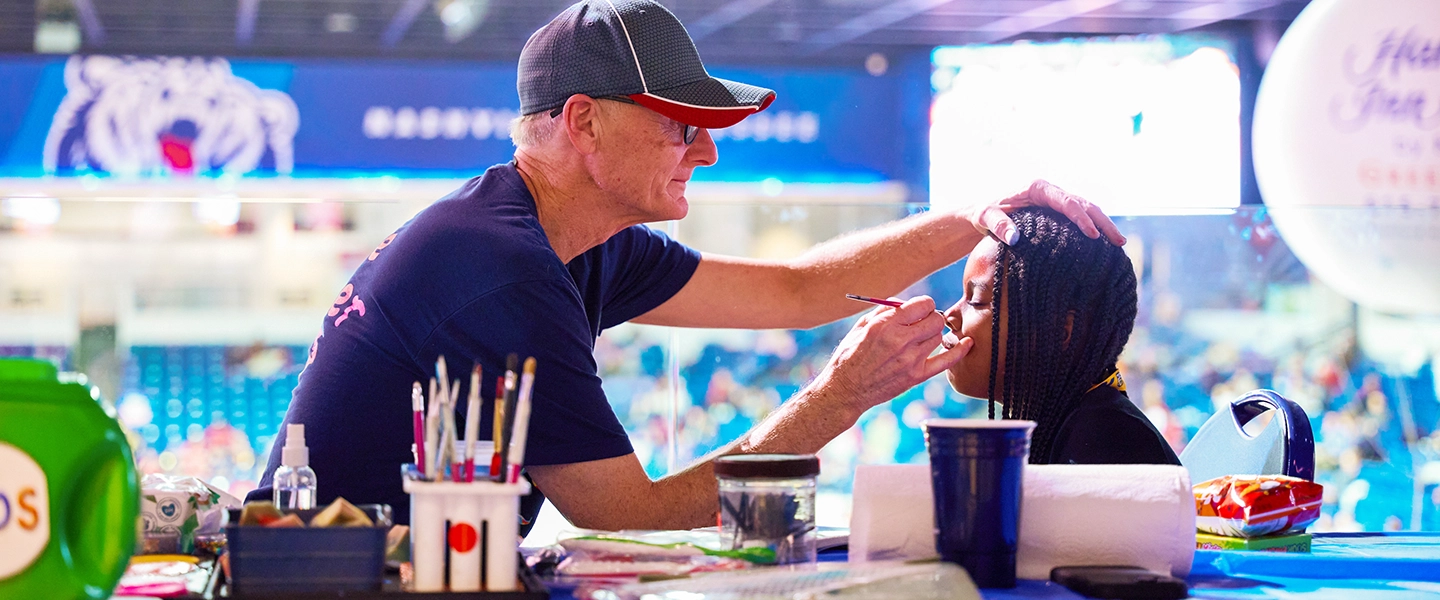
(212, 411)
(1374, 433)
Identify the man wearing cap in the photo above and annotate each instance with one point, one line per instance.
(539, 256)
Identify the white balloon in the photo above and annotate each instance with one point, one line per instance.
(1348, 117)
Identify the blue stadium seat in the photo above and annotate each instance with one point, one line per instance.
(191, 385)
(1222, 446)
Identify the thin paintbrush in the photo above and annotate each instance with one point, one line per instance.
(451, 462)
(472, 424)
(521, 430)
(512, 376)
(498, 428)
(417, 409)
(432, 431)
(891, 303)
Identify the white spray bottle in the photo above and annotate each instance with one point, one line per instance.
(294, 481)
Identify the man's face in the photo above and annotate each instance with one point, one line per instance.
(971, 317)
(645, 163)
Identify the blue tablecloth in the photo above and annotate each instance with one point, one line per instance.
(1341, 566)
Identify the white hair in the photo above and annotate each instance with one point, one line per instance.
(536, 129)
(532, 130)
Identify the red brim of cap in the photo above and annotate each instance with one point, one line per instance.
(709, 117)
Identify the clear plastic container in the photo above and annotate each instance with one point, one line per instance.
(294, 482)
(294, 488)
(768, 501)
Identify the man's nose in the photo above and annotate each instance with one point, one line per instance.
(702, 151)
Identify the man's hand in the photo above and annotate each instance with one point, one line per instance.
(887, 352)
(992, 218)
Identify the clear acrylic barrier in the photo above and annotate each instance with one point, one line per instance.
(196, 326)
(1225, 307)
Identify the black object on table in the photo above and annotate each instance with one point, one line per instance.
(1119, 582)
(533, 589)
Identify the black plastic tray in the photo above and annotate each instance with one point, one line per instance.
(267, 560)
(390, 590)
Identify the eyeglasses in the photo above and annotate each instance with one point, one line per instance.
(689, 134)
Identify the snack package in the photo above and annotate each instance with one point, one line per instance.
(259, 513)
(1250, 506)
(181, 506)
(290, 520)
(341, 513)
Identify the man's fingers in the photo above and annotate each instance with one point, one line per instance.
(910, 312)
(923, 325)
(1073, 207)
(928, 333)
(915, 309)
(1019, 199)
(1106, 226)
(1089, 218)
(873, 315)
(994, 220)
(1076, 211)
(942, 361)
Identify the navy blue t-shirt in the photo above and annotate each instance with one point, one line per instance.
(472, 278)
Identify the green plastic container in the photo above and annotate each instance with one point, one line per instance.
(69, 495)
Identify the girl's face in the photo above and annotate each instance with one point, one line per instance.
(971, 317)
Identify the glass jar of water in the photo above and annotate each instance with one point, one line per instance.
(767, 501)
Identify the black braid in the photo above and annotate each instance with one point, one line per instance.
(1052, 271)
(994, 336)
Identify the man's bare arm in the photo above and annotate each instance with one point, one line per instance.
(888, 352)
(810, 290)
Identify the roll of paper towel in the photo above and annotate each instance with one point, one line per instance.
(1071, 515)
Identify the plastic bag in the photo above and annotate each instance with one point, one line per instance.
(635, 553)
(1255, 505)
(180, 507)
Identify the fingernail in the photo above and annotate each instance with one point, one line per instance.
(1011, 236)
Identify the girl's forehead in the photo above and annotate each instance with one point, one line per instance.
(981, 265)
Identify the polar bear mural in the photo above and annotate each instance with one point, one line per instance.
(133, 116)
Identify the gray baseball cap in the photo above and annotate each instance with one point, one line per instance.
(635, 49)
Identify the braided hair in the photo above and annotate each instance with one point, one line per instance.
(1053, 271)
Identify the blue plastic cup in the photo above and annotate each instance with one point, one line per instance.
(976, 470)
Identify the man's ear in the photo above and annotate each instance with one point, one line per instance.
(581, 123)
(1069, 326)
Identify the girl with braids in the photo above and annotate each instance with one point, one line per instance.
(1049, 315)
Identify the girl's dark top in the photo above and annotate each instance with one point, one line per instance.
(1106, 428)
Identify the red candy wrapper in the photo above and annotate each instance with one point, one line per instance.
(1254, 505)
